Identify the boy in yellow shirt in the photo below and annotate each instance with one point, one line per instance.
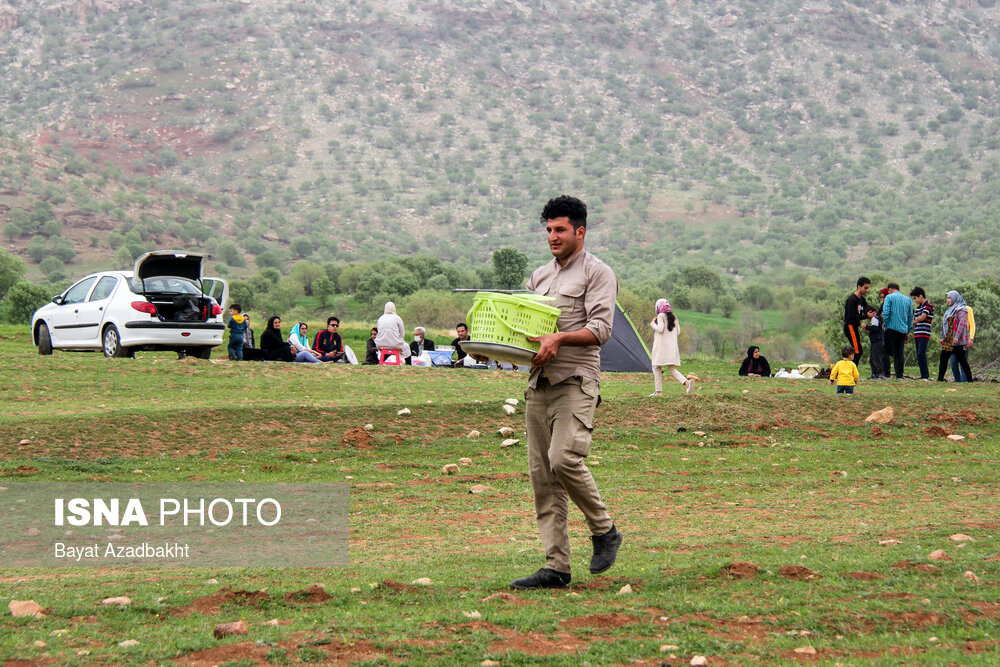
(845, 373)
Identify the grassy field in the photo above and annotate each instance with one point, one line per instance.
(765, 522)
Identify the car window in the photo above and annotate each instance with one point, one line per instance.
(105, 286)
(164, 285)
(78, 292)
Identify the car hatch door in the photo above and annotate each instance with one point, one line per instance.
(218, 289)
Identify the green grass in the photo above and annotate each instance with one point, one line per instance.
(786, 474)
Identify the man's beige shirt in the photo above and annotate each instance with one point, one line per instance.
(585, 291)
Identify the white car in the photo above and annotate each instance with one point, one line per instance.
(163, 304)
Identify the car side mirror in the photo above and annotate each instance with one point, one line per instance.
(57, 299)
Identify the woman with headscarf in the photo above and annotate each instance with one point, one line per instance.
(666, 352)
(954, 335)
(299, 340)
(391, 332)
(755, 365)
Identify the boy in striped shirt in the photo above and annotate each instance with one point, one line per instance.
(923, 315)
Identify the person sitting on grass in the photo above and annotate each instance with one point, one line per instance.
(299, 340)
(237, 328)
(371, 349)
(329, 343)
(755, 365)
(845, 373)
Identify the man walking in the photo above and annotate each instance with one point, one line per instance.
(563, 393)
(897, 318)
(855, 311)
(922, 318)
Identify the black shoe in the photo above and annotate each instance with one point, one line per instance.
(605, 550)
(544, 578)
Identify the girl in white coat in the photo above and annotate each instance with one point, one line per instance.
(665, 350)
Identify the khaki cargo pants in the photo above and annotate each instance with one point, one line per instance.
(559, 423)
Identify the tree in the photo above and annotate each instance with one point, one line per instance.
(22, 300)
(307, 273)
(11, 270)
(509, 265)
(230, 253)
(323, 289)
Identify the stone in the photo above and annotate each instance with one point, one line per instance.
(805, 650)
(971, 576)
(883, 416)
(422, 581)
(479, 488)
(466, 461)
(404, 411)
(118, 602)
(128, 643)
(369, 427)
(25, 608)
(472, 614)
(955, 437)
(274, 622)
(229, 629)
(938, 554)
(450, 469)
(489, 663)
(509, 409)
(473, 434)
(509, 442)
(961, 537)
(625, 590)
(511, 401)
(38, 643)
(506, 431)
(698, 661)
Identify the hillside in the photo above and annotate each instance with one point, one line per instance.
(746, 136)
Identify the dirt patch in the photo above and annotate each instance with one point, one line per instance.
(865, 576)
(20, 470)
(937, 431)
(358, 438)
(877, 432)
(211, 604)
(312, 595)
(741, 570)
(907, 564)
(508, 598)
(599, 621)
(984, 611)
(797, 573)
(535, 644)
(396, 586)
(607, 584)
(961, 417)
(917, 619)
(337, 653)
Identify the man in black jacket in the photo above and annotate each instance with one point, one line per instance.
(329, 342)
(855, 312)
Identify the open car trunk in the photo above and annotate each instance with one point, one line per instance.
(171, 280)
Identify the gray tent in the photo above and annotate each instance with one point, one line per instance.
(625, 351)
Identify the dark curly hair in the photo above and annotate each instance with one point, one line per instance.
(565, 206)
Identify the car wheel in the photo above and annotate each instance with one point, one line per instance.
(112, 343)
(44, 340)
(201, 352)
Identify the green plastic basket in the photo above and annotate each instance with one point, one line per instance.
(509, 319)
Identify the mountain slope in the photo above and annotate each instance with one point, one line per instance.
(748, 136)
